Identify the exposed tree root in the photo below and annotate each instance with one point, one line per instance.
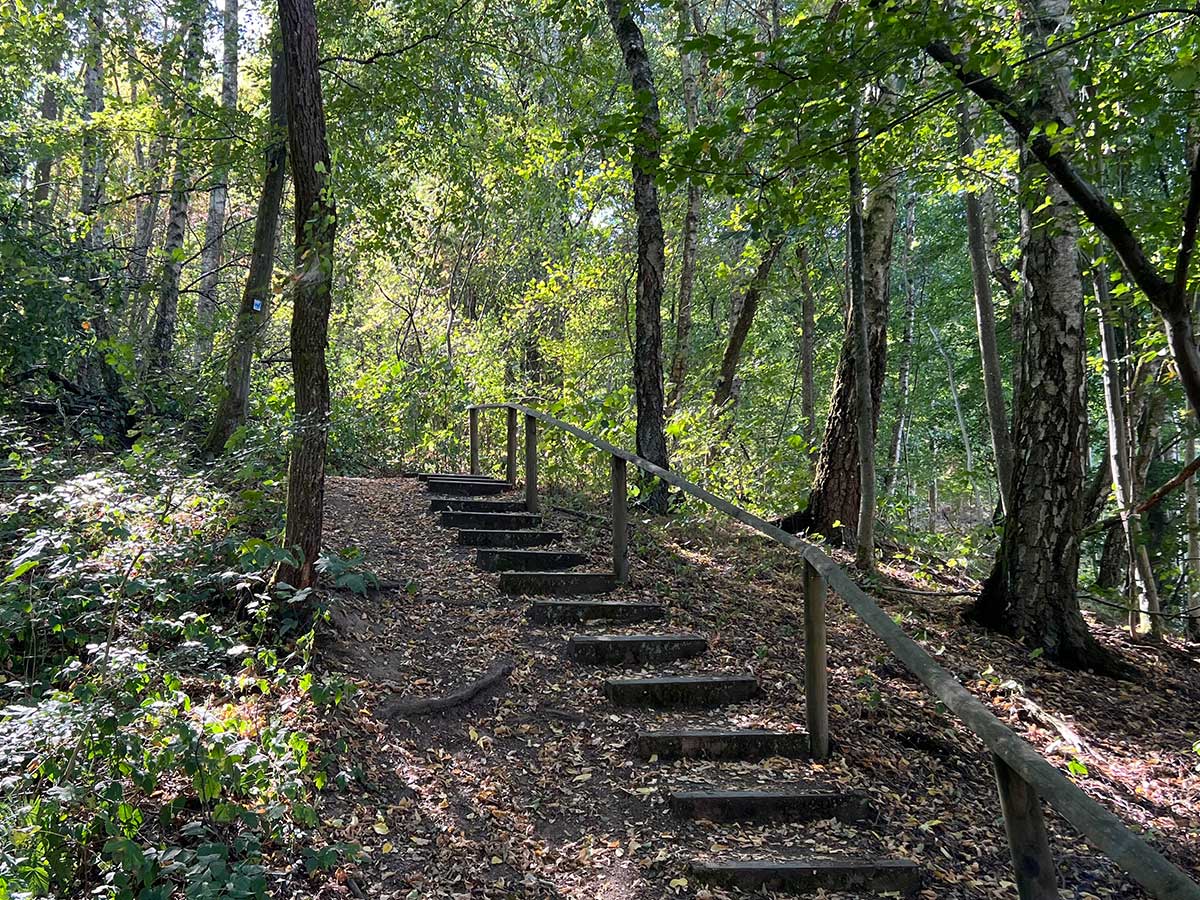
(402, 708)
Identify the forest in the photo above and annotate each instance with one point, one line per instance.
(913, 281)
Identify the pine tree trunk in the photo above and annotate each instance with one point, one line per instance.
(903, 381)
(745, 308)
(166, 313)
(316, 222)
(210, 256)
(985, 318)
(255, 309)
(835, 494)
(690, 238)
(1031, 591)
(651, 261)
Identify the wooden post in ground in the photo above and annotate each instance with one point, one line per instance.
(531, 464)
(1033, 863)
(473, 417)
(816, 671)
(510, 466)
(620, 520)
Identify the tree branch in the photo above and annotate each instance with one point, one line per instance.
(1099, 211)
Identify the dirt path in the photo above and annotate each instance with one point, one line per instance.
(530, 790)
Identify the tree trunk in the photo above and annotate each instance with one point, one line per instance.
(255, 310)
(50, 113)
(1120, 466)
(1193, 545)
(836, 494)
(210, 256)
(316, 222)
(1030, 593)
(864, 399)
(690, 238)
(745, 307)
(92, 158)
(166, 313)
(651, 262)
(985, 318)
(808, 394)
(952, 379)
(903, 382)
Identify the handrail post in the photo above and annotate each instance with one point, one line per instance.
(1033, 862)
(620, 520)
(473, 418)
(531, 464)
(816, 670)
(510, 467)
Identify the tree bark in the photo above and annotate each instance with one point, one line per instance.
(745, 307)
(985, 318)
(1031, 590)
(864, 400)
(1193, 545)
(651, 255)
(92, 158)
(903, 381)
(1142, 615)
(836, 493)
(808, 393)
(316, 222)
(210, 256)
(952, 380)
(690, 238)
(166, 313)
(255, 309)
(50, 113)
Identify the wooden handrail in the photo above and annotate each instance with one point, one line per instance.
(1159, 876)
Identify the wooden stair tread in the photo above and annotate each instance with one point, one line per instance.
(808, 875)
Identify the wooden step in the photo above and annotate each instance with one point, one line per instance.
(475, 537)
(682, 690)
(456, 488)
(490, 521)
(564, 611)
(803, 876)
(558, 583)
(732, 744)
(468, 504)
(783, 805)
(634, 648)
(456, 476)
(524, 560)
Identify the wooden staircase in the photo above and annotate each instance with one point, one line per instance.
(505, 533)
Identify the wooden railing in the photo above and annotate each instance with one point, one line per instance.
(1024, 778)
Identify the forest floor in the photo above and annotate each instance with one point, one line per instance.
(530, 789)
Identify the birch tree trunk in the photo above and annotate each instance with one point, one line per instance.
(952, 379)
(91, 179)
(255, 310)
(808, 395)
(985, 318)
(166, 313)
(1120, 464)
(836, 492)
(903, 381)
(651, 255)
(690, 238)
(316, 223)
(1193, 566)
(210, 256)
(864, 401)
(1031, 590)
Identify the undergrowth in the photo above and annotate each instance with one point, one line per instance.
(157, 730)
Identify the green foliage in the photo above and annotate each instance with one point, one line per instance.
(141, 664)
